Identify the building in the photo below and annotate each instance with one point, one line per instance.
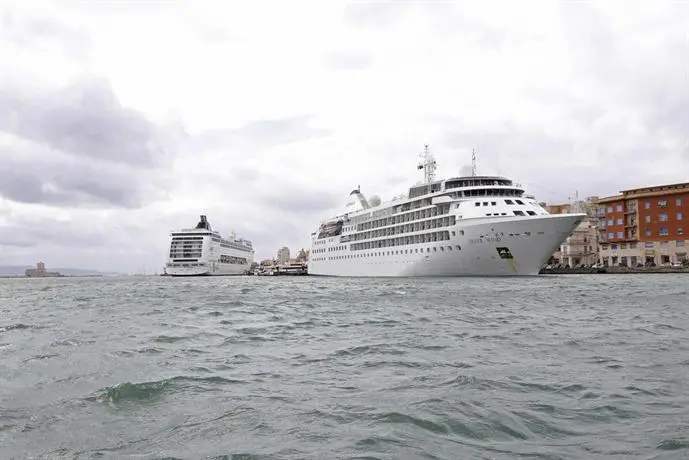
(40, 272)
(581, 246)
(283, 255)
(644, 226)
(303, 255)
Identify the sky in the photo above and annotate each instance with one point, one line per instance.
(121, 121)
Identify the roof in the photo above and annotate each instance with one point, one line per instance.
(652, 188)
(609, 199)
(657, 190)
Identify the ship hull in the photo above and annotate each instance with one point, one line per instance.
(486, 247)
(211, 270)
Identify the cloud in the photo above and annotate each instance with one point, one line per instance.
(265, 122)
(83, 118)
(29, 29)
(76, 145)
(259, 134)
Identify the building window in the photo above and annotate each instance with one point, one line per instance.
(663, 231)
(662, 203)
(663, 244)
(648, 244)
(619, 221)
(609, 209)
(610, 222)
(678, 202)
(613, 247)
(611, 235)
(648, 232)
(680, 243)
(618, 208)
(662, 217)
(620, 234)
(680, 230)
(647, 219)
(647, 205)
(679, 216)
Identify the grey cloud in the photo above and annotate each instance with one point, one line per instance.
(555, 167)
(85, 119)
(78, 146)
(20, 186)
(32, 173)
(262, 133)
(650, 81)
(36, 232)
(71, 185)
(300, 201)
(29, 30)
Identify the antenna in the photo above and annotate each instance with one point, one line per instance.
(473, 162)
(428, 165)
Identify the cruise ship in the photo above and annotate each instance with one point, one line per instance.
(202, 251)
(463, 226)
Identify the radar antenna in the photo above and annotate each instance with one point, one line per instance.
(473, 162)
(427, 164)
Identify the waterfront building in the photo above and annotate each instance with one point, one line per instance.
(283, 255)
(644, 226)
(581, 246)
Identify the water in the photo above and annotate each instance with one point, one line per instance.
(571, 367)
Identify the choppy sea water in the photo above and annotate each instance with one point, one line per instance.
(571, 367)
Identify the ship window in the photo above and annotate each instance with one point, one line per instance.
(459, 248)
(519, 201)
(509, 201)
(493, 203)
(478, 204)
(485, 203)
(531, 213)
(518, 213)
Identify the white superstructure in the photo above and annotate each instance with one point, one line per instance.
(202, 251)
(462, 226)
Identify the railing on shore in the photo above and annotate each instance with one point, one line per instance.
(612, 270)
(276, 270)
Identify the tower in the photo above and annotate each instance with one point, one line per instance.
(427, 164)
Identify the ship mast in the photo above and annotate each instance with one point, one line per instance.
(427, 164)
(473, 162)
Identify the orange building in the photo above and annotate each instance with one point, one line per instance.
(644, 226)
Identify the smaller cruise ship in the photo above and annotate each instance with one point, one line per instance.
(202, 251)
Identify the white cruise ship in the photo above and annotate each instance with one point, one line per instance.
(462, 226)
(202, 251)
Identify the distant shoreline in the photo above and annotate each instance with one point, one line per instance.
(47, 277)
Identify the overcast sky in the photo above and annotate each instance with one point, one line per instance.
(121, 121)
